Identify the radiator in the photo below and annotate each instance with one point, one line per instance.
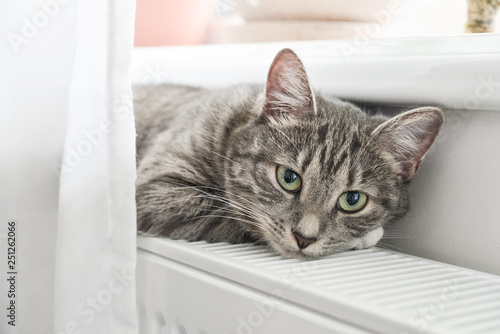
(221, 288)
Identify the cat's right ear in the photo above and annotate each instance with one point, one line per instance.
(288, 93)
(408, 137)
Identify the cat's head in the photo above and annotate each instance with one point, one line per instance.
(318, 175)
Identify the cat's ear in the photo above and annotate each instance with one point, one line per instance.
(409, 136)
(288, 93)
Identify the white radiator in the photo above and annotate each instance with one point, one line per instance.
(204, 288)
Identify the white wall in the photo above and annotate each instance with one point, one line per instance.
(455, 214)
(35, 63)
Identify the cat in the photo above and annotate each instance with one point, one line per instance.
(481, 15)
(306, 174)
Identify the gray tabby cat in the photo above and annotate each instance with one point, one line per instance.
(306, 174)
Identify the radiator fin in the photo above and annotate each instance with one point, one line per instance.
(431, 296)
(389, 291)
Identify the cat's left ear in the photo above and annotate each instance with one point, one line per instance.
(409, 136)
(288, 93)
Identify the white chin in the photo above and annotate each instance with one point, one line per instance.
(369, 240)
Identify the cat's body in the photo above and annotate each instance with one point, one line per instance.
(283, 167)
(184, 142)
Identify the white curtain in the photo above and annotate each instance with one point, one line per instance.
(67, 148)
(95, 264)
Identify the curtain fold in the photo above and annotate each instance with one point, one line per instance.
(96, 237)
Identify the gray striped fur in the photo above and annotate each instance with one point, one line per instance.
(207, 160)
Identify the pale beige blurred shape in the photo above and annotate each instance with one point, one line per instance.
(181, 22)
(287, 20)
(326, 10)
(270, 31)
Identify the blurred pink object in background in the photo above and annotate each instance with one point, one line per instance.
(171, 22)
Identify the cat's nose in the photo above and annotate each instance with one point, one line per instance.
(302, 241)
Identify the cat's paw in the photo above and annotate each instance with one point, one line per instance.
(369, 240)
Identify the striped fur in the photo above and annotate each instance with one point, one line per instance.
(207, 163)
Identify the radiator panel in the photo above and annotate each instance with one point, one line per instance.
(366, 291)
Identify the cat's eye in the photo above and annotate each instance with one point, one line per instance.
(288, 179)
(352, 201)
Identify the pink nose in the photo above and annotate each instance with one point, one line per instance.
(302, 241)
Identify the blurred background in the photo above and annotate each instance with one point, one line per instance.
(191, 22)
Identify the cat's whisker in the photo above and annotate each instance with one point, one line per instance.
(246, 212)
(229, 209)
(247, 207)
(223, 199)
(216, 197)
(394, 234)
(231, 218)
(233, 194)
(261, 239)
(288, 139)
(222, 156)
(237, 196)
(266, 242)
(241, 207)
(397, 237)
(388, 247)
(275, 143)
(269, 247)
(236, 213)
(267, 239)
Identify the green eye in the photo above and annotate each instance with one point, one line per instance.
(352, 201)
(288, 179)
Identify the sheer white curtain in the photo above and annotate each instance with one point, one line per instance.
(95, 264)
(67, 133)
